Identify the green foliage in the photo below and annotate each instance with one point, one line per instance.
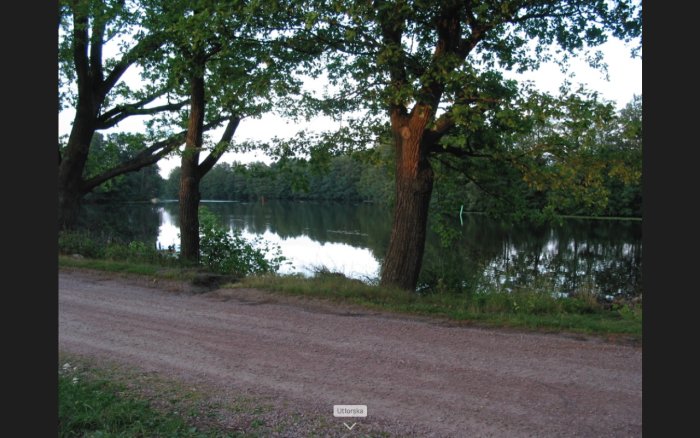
(495, 145)
(108, 152)
(108, 20)
(171, 186)
(89, 407)
(571, 165)
(537, 309)
(80, 242)
(136, 251)
(435, 70)
(383, 54)
(232, 254)
(93, 246)
(121, 266)
(242, 48)
(349, 178)
(104, 154)
(581, 304)
(628, 311)
(99, 41)
(580, 158)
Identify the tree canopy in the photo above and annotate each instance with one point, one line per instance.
(99, 41)
(426, 78)
(432, 74)
(610, 157)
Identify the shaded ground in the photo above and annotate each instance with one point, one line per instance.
(417, 377)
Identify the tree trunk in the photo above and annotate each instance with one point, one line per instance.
(190, 176)
(414, 185)
(70, 169)
(68, 206)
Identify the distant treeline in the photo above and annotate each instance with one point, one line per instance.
(341, 178)
(368, 176)
(107, 151)
(355, 179)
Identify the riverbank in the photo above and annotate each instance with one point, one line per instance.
(529, 310)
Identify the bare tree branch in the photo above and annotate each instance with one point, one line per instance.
(392, 27)
(96, 43)
(149, 43)
(119, 113)
(144, 158)
(221, 147)
(80, 46)
(437, 149)
(117, 109)
(473, 180)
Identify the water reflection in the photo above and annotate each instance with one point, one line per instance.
(310, 235)
(601, 256)
(592, 255)
(307, 256)
(124, 222)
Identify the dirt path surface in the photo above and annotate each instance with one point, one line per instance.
(417, 378)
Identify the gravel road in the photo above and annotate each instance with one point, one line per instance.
(417, 377)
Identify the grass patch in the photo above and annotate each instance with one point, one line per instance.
(524, 309)
(220, 254)
(534, 308)
(95, 407)
(604, 218)
(109, 399)
(85, 244)
(111, 265)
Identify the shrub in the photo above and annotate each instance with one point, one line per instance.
(628, 312)
(581, 303)
(80, 242)
(117, 251)
(226, 253)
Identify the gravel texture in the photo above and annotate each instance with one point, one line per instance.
(418, 377)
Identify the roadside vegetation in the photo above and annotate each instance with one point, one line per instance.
(253, 265)
(531, 309)
(104, 399)
(220, 252)
(430, 124)
(93, 406)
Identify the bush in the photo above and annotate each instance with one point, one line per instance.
(628, 312)
(80, 242)
(87, 245)
(224, 253)
(117, 251)
(142, 252)
(137, 251)
(581, 303)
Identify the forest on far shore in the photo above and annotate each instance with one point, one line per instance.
(368, 176)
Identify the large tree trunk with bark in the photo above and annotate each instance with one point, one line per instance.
(68, 206)
(70, 169)
(414, 186)
(190, 177)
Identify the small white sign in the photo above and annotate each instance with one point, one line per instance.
(349, 410)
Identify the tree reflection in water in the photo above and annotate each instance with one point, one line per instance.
(598, 256)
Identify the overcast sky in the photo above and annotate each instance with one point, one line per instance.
(625, 74)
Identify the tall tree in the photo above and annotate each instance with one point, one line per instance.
(91, 82)
(435, 70)
(231, 60)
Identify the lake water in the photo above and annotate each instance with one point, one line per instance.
(603, 256)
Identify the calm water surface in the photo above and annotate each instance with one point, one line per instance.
(599, 255)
